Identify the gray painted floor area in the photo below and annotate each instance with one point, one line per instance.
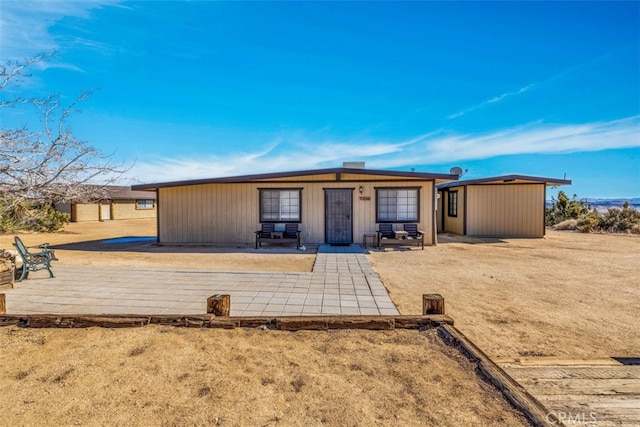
(342, 283)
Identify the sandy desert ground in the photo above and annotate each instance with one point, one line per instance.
(568, 294)
(165, 376)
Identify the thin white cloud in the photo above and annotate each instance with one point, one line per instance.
(524, 89)
(491, 101)
(288, 153)
(537, 139)
(25, 24)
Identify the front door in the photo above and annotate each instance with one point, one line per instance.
(105, 211)
(338, 213)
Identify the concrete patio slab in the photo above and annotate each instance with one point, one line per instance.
(342, 282)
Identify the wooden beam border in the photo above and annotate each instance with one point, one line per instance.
(517, 395)
(287, 323)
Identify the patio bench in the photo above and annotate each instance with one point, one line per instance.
(268, 234)
(409, 236)
(34, 260)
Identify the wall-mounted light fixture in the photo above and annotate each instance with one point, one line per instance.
(361, 189)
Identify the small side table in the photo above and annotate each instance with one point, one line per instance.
(401, 235)
(277, 234)
(372, 236)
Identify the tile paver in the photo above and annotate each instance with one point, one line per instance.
(342, 282)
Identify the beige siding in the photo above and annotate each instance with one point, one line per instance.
(309, 178)
(510, 210)
(126, 209)
(453, 224)
(331, 177)
(229, 213)
(86, 212)
(118, 209)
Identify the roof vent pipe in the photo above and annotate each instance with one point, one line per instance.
(353, 165)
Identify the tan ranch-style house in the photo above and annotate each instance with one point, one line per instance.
(335, 206)
(121, 203)
(501, 206)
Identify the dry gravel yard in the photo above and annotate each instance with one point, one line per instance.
(166, 376)
(569, 295)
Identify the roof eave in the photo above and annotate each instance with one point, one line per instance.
(506, 179)
(277, 175)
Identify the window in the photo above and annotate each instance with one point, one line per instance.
(397, 204)
(145, 204)
(453, 203)
(280, 205)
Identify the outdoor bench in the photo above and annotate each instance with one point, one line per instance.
(409, 236)
(34, 260)
(268, 234)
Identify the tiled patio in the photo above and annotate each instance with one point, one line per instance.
(342, 282)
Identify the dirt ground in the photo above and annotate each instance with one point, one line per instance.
(568, 294)
(80, 243)
(164, 376)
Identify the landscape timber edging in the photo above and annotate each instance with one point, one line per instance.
(520, 398)
(288, 323)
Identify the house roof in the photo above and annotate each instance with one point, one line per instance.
(505, 179)
(305, 173)
(121, 192)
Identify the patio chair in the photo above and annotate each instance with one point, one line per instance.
(264, 234)
(385, 231)
(414, 233)
(34, 260)
(291, 232)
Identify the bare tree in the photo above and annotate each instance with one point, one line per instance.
(45, 163)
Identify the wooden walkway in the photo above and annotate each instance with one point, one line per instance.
(595, 392)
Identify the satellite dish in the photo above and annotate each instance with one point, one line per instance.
(456, 171)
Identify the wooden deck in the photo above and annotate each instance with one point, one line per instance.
(582, 392)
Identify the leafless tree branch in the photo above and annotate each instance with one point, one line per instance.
(46, 162)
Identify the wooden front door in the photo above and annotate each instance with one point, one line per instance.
(338, 214)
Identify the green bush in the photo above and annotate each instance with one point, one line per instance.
(564, 208)
(589, 223)
(29, 216)
(620, 220)
(573, 214)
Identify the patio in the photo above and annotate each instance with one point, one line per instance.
(342, 283)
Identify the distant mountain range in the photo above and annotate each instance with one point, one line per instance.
(602, 205)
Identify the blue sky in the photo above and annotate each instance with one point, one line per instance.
(207, 89)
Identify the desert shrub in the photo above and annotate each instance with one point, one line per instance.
(564, 208)
(51, 219)
(620, 220)
(635, 229)
(20, 215)
(567, 224)
(589, 223)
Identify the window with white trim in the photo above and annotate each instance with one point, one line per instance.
(280, 205)
(397, 205)
(145, 204)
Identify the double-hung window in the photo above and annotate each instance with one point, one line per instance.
(397, 205)
(280, 204)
